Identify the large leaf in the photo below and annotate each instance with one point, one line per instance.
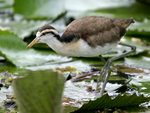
(139, 62)
(39, 9)
(111, 8)
(14, 50)
(140, 28)
(136, 10)
(39, 92)
(142, 82)
(22, 28)
(6, 3)
(84, 5)
(106, 102)
(140, 47)
(6, 7)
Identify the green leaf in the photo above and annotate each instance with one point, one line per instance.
(139, 62)
(6, 3)
(106, 102)
(136, 10)
(114, 9)
(147, 2)
(140, 48)
(85, 5)
(6, 7)
(142, 82)
(39, 9)
(22, 28)
(139, 44)
(14, 50)
(39, 92)
(140, 28)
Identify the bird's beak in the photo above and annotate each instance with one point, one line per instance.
(33, 42)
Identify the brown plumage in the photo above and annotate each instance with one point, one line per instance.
(45, 27)
(84, 37)
(96, 30)
(88, 37)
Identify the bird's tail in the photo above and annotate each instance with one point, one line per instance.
(127, 22)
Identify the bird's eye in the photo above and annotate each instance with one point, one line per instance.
(44, 33)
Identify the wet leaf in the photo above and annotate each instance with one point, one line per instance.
(39, 92)
(5, 3)
(142, 82)
(139, 62)
(22, 28)
(106, 102)
(63, 62)
(113, 8)
(39, 9)
(78, 90)
(140, 28)
(141, 12)
(84, 5)
(4, 92)
(14, 50)
(147, 2)
(119, 49)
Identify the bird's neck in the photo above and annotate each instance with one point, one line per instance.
(55, 43)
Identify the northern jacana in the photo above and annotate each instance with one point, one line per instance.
(87, 37)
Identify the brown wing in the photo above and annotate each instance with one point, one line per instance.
(96, 30)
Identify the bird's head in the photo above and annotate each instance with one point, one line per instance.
(44, 34)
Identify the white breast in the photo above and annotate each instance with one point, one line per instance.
(79, 48)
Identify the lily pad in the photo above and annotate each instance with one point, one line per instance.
(22, 28)
(63, 62)
(136, 10)
(111, 8)
(139, 62)
(142, 82)
(6, 3)
(14, 50)
(39, 9)
(106, 102)
(78, 90)
(39, 92)
(84, 5)
(140, 47)
(140, 28)
(119, 49)
(4, 92)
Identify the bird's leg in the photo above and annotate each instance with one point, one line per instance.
(101, 74)
(102, 59)
(100, 77)
(109, 62)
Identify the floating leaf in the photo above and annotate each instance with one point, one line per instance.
(135, 42)
(39, 92)
(141, 12)
(113, 8)
(14, 50)
(119, 49)
(84, 5)
(142, 82)
(39, 9)
(147, 2)
(140, 28)
(139, 62)
(106, 102)
(6, 7)
(22, 28)
(5, 3)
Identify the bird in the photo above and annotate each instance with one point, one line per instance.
(88, 36)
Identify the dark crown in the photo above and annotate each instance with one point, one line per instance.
(45, 27)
